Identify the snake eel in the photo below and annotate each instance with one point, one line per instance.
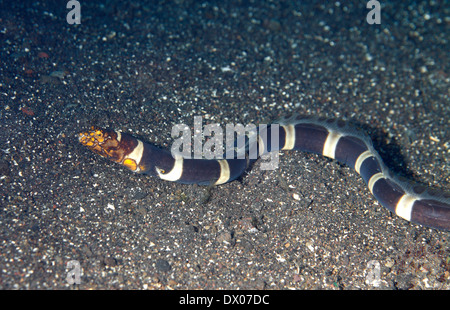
(331, 138)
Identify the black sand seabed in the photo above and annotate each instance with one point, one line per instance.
(142, 68)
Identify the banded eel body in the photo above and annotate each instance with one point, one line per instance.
(330, 138)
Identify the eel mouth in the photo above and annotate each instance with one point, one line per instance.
(101, 141)
(94, 139)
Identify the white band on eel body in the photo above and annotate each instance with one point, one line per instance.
(224, 172)
(329, 147)
(175, 173)
(374, 179)
(136, 154)
(361, 159)
(404, 207)
(289, 137)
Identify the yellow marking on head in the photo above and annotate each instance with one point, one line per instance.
(142, 167)
(92, 137)
(103, 142)
(130, 164)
